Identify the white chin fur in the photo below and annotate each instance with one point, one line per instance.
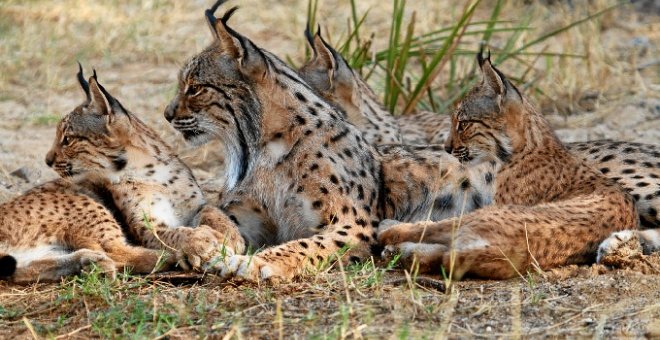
(198, 140)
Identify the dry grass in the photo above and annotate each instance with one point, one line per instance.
(137, 48)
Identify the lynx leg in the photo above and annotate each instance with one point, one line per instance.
(53, 268)
(139, 259)
(426, 232)
(231, 239)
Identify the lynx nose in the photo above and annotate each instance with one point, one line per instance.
(50, 159)
(169, 111)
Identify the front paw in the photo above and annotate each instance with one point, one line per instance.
(89, 258)
(421, 257)
(201, 246)
(252, 268)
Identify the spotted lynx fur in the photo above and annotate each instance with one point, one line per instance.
(301, 181)
(635, 166)
(150, 190)
(63, 227)
(551, 208)
(329, 74)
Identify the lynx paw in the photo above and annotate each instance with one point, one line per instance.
(201, 246)
(612, 243)
(413, 253)
(89, 258)
(250, 268)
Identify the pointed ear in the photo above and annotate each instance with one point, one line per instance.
(323, 57)
(232, 44)
(98, 100)
(228, 45)
(492, 78)
(101, 100)
(341, 72)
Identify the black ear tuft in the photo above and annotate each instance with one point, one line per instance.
(210, 13)
(7, 265)
(228, 14)
(480, 55)
(83, 83)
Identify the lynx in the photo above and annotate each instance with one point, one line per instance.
(635, 166)
(300, 179)
(115, 172)
(551, 208)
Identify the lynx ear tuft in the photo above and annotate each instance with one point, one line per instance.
(83, 83)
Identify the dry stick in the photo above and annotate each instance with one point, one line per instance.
(30, 328)
(75, 331)
(279, 319)
(577, 315)
(452, 252)
(446, 323)
(516, 322)
(537, 266)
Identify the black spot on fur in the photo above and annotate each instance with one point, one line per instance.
(301, 97)
(445, 202)
(607, 158)
(477, 202)
(465, 184)
(119, 162)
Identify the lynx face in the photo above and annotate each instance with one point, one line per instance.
(91, 137)
(214, 100)
(478, 131)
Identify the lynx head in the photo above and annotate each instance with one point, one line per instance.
(216, 97)
(93, 136)
(483, 120)
(330, 76)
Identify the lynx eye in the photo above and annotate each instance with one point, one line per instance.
(461, 126)
(65, 141)
(194, 90)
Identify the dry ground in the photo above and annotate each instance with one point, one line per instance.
(137, 48)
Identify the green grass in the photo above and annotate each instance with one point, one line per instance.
(411, 63)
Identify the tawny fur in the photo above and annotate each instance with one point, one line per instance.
(635, 166)
(155, 193)
(551, 208)
(61, 228)
(329, 74)
(299, 177)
